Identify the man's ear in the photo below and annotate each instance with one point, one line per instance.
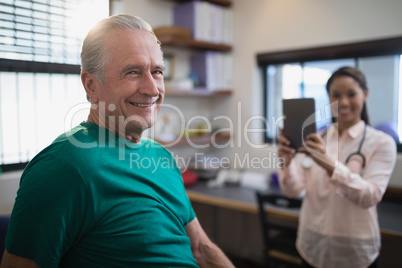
(89, 83)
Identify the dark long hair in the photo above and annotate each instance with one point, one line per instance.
(360, 78)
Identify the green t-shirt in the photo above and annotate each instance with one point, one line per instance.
(93, 199)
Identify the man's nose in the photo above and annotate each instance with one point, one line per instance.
(149, 85)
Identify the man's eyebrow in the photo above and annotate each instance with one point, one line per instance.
(130, 67)
(160, 67)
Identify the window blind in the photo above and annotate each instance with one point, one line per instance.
(41, 95)
(40, 30)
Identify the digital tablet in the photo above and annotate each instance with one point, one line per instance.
(299, 120)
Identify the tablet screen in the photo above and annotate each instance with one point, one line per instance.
(299, 120)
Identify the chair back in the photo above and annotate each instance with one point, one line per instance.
(4, 219)
(275, 200)
(278, 237)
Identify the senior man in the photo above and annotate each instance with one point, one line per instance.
(81, 203)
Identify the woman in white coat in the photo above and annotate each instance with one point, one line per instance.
(344, 173)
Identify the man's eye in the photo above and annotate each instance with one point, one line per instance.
(158, 72)
(132, 73)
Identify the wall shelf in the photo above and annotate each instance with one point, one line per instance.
(168, 40)
(197, 93)
(174, 37)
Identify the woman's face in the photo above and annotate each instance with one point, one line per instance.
(350, 97)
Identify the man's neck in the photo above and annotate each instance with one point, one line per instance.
(131, 136)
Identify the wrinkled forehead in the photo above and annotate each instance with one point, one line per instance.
(132, 47)
(125, 36)
(132, 41)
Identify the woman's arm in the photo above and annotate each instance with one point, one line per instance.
(291, 178)
(366, 190)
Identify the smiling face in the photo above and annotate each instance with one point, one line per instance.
(133, 89)
(350, 97)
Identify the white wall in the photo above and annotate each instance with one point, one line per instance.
(275, 25)
(155, 12)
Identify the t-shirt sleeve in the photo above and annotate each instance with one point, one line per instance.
(52, 211)
(175, 166)
(192, 213)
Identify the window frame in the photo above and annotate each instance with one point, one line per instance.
(22, 66)
(371, 48)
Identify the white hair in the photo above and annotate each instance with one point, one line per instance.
(94, 57)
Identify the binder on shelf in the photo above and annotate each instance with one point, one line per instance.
(185, 15)
(208, 22)
(213, 70)
(199, 69)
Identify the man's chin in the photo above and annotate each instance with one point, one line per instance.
(138, 127)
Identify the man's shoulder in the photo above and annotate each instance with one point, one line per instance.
(84, 132)
(67, 146)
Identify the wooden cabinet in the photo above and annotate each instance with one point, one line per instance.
(237, 233)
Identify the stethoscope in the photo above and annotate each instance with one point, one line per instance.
(308, 162)
(359, 152)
